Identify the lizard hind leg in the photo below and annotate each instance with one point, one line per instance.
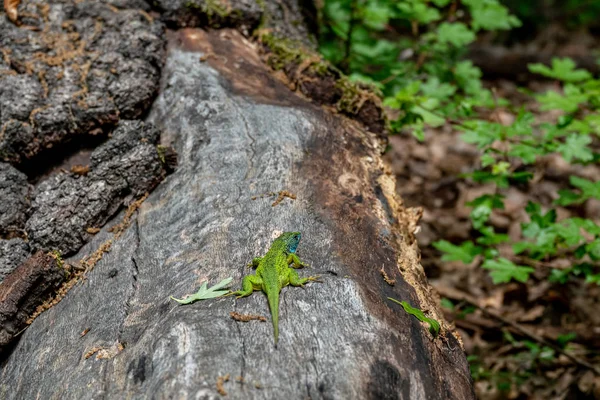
(250, 283)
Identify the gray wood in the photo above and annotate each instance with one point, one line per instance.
(239, 133)
(15, 193)
(71, 71)
(12, 253)
(66, 204)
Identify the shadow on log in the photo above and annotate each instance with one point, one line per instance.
(240, 134)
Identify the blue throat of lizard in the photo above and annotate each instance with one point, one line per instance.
(293, 243)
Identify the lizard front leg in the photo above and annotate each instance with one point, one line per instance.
(295, 280)
(255, 262)
(250, 283)
(295, 261)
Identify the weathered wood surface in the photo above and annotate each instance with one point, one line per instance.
(36, 278)
(241, 133)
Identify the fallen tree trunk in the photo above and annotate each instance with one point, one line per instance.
(241, 136)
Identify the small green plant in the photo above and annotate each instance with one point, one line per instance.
(432, 85)
(434, 326)
(413, 52)
(508, 154)
(206, 293)
(431, 82)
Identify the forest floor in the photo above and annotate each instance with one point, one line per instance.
(507, 329)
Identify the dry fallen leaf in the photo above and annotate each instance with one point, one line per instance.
(220, 381)
(532, 314)
(80, 169)
(10, 7)
(246, 317)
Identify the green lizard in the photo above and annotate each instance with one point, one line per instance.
(273, 273)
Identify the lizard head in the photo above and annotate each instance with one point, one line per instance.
(291, 240)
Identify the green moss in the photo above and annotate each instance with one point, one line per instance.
(354, 95)
(286, 52)
(214, 8)
(321, 68)
(192, 5)
(351, 96)
(283, 51)
(60, 263)
(161, 150)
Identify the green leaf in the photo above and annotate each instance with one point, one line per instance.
(563, 340)
(589, 124)
(381, 48)
(338, 16)
(588, 225)
(487, 160)
(447, 303)
(490, 15)
(539, 221)
(436, 89)
(593, 249)
(569, 102)
(482, 208)
(358, 77)
(376, 15)
(593, 279)
(424, 110)
(562, 69)
(418, 132)
(567, 197)
(559, 276)
(468, 76)
(481, 133)
(588, 189)
(434, 326)
(568, 231)
(466, 252)
(418, 11)
(457, 34)
(504, 270)
(523, 125)
(206, 293)
(576, 148)
(528, 153)
(490, 237)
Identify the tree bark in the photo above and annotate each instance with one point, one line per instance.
(242, 135)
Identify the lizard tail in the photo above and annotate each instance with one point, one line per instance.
(274, 306)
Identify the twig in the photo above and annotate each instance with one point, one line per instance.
(459, 295)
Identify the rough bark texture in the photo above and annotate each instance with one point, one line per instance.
(73, 68)
(12, 253)
(286, 18)
(14, 200)
(66, 206)
(241, 133)
(242, 14)
(29, 286)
